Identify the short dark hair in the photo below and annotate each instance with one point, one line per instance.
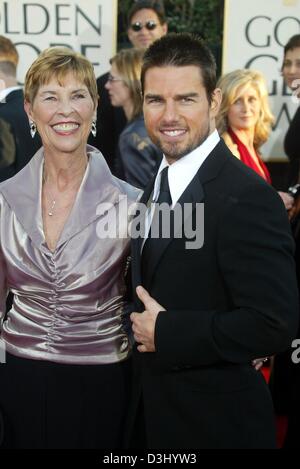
(180, 50)
(155, 5)
(292, 43)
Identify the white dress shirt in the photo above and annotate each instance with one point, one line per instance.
(4, 93)
(181, 173)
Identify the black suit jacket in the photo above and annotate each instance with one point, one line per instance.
(232, 300)
(16, 145)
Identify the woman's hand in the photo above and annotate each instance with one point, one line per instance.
(295, 210)
(287, 199)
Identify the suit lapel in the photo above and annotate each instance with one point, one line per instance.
(98, 193)
(193, 194)
(136, 246)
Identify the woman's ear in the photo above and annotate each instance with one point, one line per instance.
(28, 110)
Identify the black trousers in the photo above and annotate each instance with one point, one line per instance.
(49, 405)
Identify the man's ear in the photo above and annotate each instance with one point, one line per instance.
(165, 28)
(216, 102)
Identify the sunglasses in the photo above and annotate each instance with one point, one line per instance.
(150, 25)
(113, 79)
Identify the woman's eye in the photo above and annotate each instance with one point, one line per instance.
(79, 96)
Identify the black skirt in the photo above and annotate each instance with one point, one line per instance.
(48, 405)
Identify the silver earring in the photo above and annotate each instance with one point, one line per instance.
(32, 128)
(94, 129)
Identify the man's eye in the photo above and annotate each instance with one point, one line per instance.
(50, 98)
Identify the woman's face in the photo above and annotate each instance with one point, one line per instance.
(291, 68)
(243, 114)
(119, 93)
(63, 114)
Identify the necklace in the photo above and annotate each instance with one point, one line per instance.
(51, 198)
(52, 203)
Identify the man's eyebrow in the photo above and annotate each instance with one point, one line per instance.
(187, 95)
(151, 96)
(177, 96)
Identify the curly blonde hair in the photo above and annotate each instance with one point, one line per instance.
(231, 85)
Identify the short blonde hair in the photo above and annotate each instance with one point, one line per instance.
(129, 65)
(231, 85)
(57, 62)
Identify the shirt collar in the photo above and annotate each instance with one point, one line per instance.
(182, 172)
(4, 93)
(98, 191)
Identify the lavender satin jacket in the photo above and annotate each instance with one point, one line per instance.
(68, 304)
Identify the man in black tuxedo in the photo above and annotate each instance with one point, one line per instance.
(111, 120)
(206, 310)
(16, 144)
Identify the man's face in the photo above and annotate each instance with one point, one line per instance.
(145, 28)
(177, 113)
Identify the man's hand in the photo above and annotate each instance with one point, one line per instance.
(143, 324)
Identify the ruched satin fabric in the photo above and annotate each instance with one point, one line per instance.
(68, 304)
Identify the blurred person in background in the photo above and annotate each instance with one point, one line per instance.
(138, 157)
(291, 74)
(245, 120)
(146, 22)
(16, 144)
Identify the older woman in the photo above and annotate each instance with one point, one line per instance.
(64, 384)
(245, 120)
(139, 157)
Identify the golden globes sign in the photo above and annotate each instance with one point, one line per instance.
(87, 26)
(255, 33)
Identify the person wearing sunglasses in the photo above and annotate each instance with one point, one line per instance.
(149, 16)
(146, 23)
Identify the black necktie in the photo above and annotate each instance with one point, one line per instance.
(164, 191)
(164, 197)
